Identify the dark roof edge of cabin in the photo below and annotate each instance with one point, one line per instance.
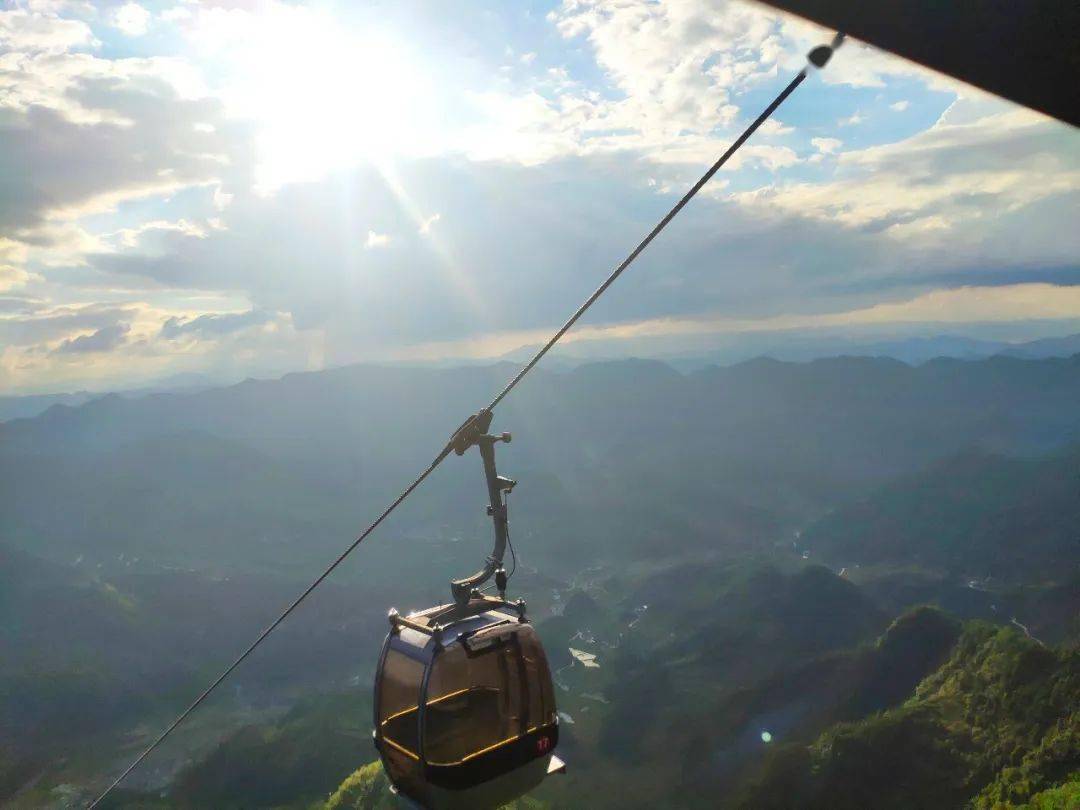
(1024, 52)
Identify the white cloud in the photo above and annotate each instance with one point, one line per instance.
(104, 339)
(13, 273)
(132, 237)
(132, 19)
(961, 305)
(771, 157)
(674, 72)
(81, 134)
(852, 120)
(59, 244)
(671, 73)
(774, 127)
(90, 345)
(12, 277)
(961, 188)
(376, 240)
(59, 169)
(920, 228)
(78, 85)
(222, 199)
(426, 224)
(26, 32)
(677, 64)
(900, 106)
(48, 326)
(973, 304)
(219, 325)
(177, 14)
(827, 146)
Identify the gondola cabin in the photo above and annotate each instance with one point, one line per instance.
(464, 707)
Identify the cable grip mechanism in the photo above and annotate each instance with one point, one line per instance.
(820, 56)
(474, 432)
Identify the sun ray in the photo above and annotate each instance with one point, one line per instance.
(464, 284)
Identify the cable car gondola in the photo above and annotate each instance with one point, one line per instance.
(465, 712)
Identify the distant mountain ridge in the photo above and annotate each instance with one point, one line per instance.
(30, 405)
(919, 350)
(794, 347)
(1047, 347)
(805, 345)
(631, 453)
(26, 406)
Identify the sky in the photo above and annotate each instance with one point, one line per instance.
(257, 187)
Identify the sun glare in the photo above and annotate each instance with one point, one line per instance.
(324, 97)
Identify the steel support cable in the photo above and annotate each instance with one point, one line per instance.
(817, 58)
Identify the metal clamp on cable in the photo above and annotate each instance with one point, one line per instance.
(820, 56)
(470, 432)
(474, 432)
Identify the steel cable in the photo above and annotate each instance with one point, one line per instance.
(818, 57)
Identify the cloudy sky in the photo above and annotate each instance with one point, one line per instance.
(242, 187)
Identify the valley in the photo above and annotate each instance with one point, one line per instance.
(733, 571)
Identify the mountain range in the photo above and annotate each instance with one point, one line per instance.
(794, 346)
(825, 553)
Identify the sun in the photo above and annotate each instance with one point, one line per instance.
(322, 96)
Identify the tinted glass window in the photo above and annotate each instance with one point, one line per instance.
(541, 694)
(399, 697)
(476, 697)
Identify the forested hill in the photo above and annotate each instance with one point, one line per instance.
(922, 711)
(976, 514)
(998, 726)
(735, 545)
(991, 721)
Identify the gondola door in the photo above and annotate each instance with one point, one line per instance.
(397, 702)
(489, 723)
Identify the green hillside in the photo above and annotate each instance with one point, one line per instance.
(147, 541)
(983, 516)
(998, 726)
(991, 723)
(860, 712)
